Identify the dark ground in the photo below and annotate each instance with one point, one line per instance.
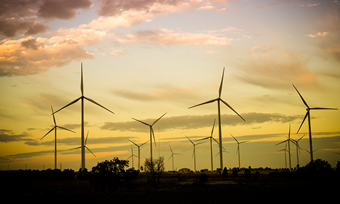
(266, 188)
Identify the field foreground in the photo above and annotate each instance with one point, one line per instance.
(181, 188)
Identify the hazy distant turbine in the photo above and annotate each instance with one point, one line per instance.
(194, 152)
(82, 97)
(85, 145)
(219, 116)
(132, 155)
(211, 138)
(172, 155)
(288, 142)
(238, 150)
(296, 142)
(309, 123)
(152, 134)
(138, 146)
(55, 137)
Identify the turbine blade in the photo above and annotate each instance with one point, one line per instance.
(86, 137)
(318, 108)
(301, 137)
(203, 138)
(204, 103)
(68, 104)
(212, 131)
(65, 129)
(169, 157)
(199, 143)
(232, 109)
(98, 104)
(133, 143)
(215, 140)
(171, 149)
(303, 100)
(281, 142)
(55, 123)
(141, 122)
(143, 143)
(75, 148)
(158, 119)
(220, 90)
(81, 81)
(90, 151)
(48, 132)
(153, 134)
(190, 140)
(234, 138)
(302, 122)
(243, 142)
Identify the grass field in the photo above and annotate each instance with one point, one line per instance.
(182, 188)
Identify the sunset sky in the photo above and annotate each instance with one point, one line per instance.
(144, 58)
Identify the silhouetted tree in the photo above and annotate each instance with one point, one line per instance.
(225, 173)
(155, 168)
(109, 173)
(247, 174)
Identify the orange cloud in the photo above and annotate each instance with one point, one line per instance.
(319, 34)
(29, 56)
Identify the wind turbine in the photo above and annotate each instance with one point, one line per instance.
(211, 138)
(285, 150)
(238, 150)
(82, 97)
(309, 124)
(138, 146)
(296, 142)
(219, 116)
(132, 155)
(288, 142)
(194, 152)
(83, 147)
(55, 137)
(151, 132)
(172, 155)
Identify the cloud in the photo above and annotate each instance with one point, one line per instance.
(75, 141)
(30, 27)
(118, 52)
(61, 9)
(17, 58)
(18, 8)
(309, 4)
(8, 136)
(276, 70)
(173, 37)
(200, 121)
(221, 10)
(261, 49)
(206, 6)
(164, 92)
(119, 7)
(319, 34)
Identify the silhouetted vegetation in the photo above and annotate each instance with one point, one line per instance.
(155, 169)
(111, 174)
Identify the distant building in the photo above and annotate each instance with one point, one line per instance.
(184, 170)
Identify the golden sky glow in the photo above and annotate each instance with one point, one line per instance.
(142, 59)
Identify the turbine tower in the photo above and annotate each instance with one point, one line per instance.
(211, 138)
(238, 150)
(151, 132)
(82, 97)
(309, 124)
(284, 150)
(296, 142)
(194, 152)
(132, 155)
(83, 147)
(172, 155)
(219, 116)
(138, 146)
(288, 142)
(55, 137)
